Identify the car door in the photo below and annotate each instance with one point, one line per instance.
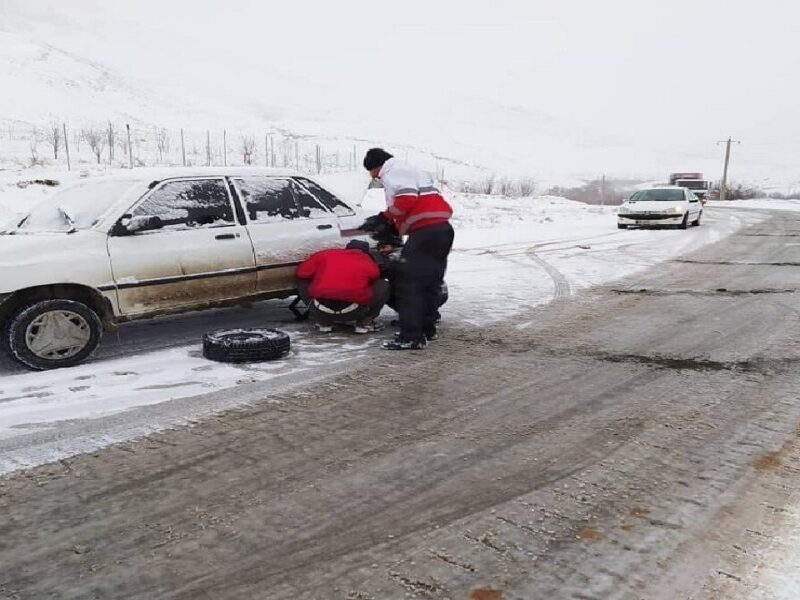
(694, 205)
(286, 225)
(195, 254)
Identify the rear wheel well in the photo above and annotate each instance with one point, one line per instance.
(79, 293)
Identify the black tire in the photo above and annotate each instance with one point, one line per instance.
(685, 223)
(245, 345)
(621, 226)
(696, 222)
(84, 325)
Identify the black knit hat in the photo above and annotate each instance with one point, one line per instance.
(389, 240)
(375, 157)
(358, 245)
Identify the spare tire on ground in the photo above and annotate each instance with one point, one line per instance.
(245, 345)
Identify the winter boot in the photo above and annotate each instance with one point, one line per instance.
(366, 326)
(403, 344)
(430, 335)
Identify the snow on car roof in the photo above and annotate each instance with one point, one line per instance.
(149, 174)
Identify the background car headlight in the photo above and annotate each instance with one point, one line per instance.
(677, 209)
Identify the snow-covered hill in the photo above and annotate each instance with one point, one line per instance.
(88, 68)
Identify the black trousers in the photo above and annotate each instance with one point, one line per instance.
(423, 263)
(380, 294)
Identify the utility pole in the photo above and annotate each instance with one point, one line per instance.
(603, 190)
(266, 150)
(723, 186)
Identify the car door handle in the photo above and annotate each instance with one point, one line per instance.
(225, 236)
(328, 226)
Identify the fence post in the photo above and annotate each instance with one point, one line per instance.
(183, 148)
(130, 145)
(66, 147)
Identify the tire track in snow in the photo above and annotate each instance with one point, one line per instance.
(561, 286)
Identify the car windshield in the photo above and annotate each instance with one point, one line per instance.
(658, 195)
(75, 208)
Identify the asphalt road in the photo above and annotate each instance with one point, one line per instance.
(637, 441)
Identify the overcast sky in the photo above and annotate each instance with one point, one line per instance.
(697, 68)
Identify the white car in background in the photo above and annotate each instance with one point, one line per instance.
(659, 207)
(119, 248)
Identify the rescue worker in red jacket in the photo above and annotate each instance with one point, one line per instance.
(343, 286)
(414, 207)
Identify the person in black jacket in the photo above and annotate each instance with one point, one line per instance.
(387, 255)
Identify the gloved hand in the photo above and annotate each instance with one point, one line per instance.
(375, 223)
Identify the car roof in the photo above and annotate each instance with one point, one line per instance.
(150, 174)
(143, 178)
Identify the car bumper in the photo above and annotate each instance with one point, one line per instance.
(650, 220)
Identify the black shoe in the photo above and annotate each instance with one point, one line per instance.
(401, 344)
(429, 335)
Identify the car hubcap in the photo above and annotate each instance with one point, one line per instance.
(58, 334)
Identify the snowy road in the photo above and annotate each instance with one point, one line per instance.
(510, 255)
(637, 440)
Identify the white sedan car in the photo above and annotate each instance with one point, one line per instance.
(661, 206)
(114, 249)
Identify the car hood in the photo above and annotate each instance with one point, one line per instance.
(653, 205)
(34, 249)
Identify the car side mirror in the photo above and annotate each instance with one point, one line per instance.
(144, 223)
(129, 224)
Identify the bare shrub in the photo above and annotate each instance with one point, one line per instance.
(96, 138)
(526, 186)
(52, 136)
(33, 144)
(485, 186)
(505, 187)
(162, 143)
(248, 148)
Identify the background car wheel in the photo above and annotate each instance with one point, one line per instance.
(621, 226)
(52, 334)
(696, 222)
(685, 223)
(245, 345)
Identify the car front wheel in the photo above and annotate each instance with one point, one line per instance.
(685, 223)
(52, 334)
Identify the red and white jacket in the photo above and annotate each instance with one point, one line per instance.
(412, 201)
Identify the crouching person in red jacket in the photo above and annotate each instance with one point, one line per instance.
(343, 286)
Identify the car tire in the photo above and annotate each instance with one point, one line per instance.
(245, 345)
(53, 334)
(621, 226)
(696, 222)
(685, 223)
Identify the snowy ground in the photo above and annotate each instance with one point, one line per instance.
(509, 254)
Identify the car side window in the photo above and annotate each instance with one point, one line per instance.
(188, 204)
(310, 208)
(330, 201)
(267, 199)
